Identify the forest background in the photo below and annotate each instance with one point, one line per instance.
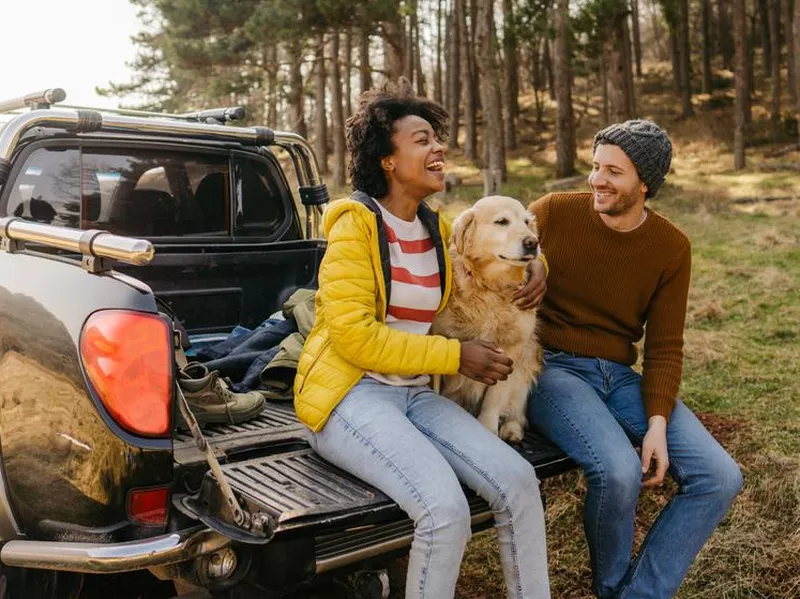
(528, 82)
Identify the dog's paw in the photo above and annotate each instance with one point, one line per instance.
(511, 431)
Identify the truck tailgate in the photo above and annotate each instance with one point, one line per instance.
(303, 492)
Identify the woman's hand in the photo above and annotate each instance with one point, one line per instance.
(532, 292)
(483, 362)
(654, 447)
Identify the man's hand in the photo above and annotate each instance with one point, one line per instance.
(532, 293)
(654, 447)
(483, 362)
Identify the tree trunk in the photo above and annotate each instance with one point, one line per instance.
(791, 63)
(490, 94)
(320, 116)
(547, 63)
(604, 84)
(740, 82)
(467, 70)
(511, 80)
(409, 58)
(418, 72)
(393, 48)
(618, 63)
(437, 78)
(272, 86)
(348, 71)
(364, 68)
(775, 66)
(797, 63)
(476, 76)
(637, 40)
(766, 45)
(454, 74)
(448, 59)
(565, 120)
(337, 110)
(706, 27)
(296, 97)
(725, 36)
(685, 59)
(537, 81)
(675, 56)
(628, 57)
(751, 63)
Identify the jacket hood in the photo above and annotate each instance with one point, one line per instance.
(338, 207)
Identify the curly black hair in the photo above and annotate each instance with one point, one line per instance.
(369, 131)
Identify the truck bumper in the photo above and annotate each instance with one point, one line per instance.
(112, 558)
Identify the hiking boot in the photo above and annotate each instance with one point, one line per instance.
(210, 399)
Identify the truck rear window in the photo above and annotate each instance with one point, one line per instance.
(156, 194)
(148, 193)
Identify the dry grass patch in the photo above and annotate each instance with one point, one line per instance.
(703, 348)
(772, 279)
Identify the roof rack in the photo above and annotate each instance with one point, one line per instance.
(203, 124)
(35, 100)
(46, 98)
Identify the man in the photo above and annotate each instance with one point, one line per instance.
(616, 266)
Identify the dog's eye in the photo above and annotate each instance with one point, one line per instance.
(501, 221)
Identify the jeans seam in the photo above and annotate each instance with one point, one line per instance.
(364, 441)
(650, 534)
(598, 465)
(431, 435)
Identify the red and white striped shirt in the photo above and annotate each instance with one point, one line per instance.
(416, 285)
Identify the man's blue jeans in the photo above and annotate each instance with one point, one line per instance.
(592, 409)
(418, 447)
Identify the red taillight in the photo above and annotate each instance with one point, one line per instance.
(128, 359)
(148, 506)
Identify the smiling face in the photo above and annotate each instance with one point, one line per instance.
(417, 163)
(615, 182)
(498, 237)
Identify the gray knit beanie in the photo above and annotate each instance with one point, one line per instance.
(646, 144)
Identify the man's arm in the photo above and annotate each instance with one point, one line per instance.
(663, 344)
(532, 293)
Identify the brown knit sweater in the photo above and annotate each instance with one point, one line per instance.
(605, 285)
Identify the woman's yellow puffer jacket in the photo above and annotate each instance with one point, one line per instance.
(350, 336)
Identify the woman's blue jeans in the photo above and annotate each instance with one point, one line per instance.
(418, 447)
(592, 409)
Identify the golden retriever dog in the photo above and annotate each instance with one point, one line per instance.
(491, 247)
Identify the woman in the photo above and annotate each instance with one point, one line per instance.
(361, 385)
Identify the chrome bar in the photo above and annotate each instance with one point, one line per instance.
(131, 112)
(91, 243)
(111, 558)
(71, 120)
(290, 141)
(305, 164)
(35, 99)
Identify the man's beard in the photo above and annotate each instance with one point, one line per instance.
(622, 204)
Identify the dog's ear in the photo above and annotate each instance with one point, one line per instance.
(462, 228)
(532, 224)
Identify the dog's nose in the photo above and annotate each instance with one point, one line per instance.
(530, 245)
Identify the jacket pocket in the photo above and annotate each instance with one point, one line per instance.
(313, 363)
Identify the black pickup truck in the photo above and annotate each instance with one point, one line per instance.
(108, 220)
